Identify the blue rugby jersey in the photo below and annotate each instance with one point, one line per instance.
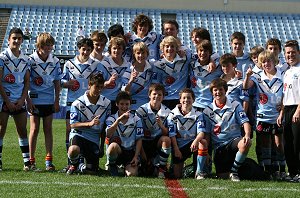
(82, 110)
(108, 67)
(152, 40)
(223, 124)
(129, 132)
(173, 75)
(269, 96)
(148, 117)
(80, 72)
(200, 80)
(243, 63)
(42, 77)
(184, 127)
(140, 86)
(13, 72)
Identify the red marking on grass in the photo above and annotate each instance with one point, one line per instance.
(175, 189)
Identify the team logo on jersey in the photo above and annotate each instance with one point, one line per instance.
(139, 131)
(259, 128)
(147, 133)
(16, 70)
(194, 81)
(170, 80)
(242, 114)
(73, 116)
(44, 73)
(38, 81)
(182, 128)
(284, 86)
(111, 85)
(217, 130)
(75, 86)
(263, 98)
(10, 78)
(201, 124)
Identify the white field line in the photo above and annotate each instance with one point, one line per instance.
(212, 188)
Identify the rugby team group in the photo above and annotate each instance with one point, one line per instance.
(150, 97)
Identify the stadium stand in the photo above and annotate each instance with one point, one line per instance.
(62, 23)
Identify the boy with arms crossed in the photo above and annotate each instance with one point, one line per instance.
(125, 131)
(87, 119)
(14, 85)
(156, 141)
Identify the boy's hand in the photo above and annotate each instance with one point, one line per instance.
(194, 146)
(181, 53)
(211, 66)
(159, 121)
(134, 161)
(249, 72)
(95, 121)
(133, 75)
(124, 116)
(246, 140)
(296, 116)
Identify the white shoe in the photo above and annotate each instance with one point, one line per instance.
(234, 177)
(296, 178)
(201, 176)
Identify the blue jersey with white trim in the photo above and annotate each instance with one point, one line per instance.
(184, 127)
(223, 124)
(82, 110)
(148, 117)
(243, 63)
(108, 67)
(140, 86)
(269, 96)
(152, 40)
(235, 90)
(129, 132)
(200, 79)
(74, 70)
(14, 70)
(42, 77)
(173, 75)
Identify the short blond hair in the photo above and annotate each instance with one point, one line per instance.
(44, 39)
(140, 46)
(170, 40)
(267, 55)
(116, 41)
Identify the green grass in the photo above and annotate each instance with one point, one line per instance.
(16, 183)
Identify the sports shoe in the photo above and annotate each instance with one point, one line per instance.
(26, 168)
(72, 169)
(65, 169)
(162, 173)
(113, 169)
(234, 177)
(296, 178)
(32, 167)
(106, 166)
(285, 176)
(50, 167)
(276, 176)
(201, 176)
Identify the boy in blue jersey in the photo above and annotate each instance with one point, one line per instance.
(113, 69)
(273, 45)
(269, 85)
(43, 98)
(87, 119)
(223, 119)
(235, 90)
(125, 132)
(156, 141)
(138, 77)
(182, 123)
(200, 75)
(142, 27)
(99, 39)
(75, 76)
(172, 70)
(237, 44)
(14, 85)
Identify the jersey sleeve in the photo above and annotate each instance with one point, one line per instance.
(65, 74)
(201, 124)
(74, 115)
(241, 115)
(139, 128)
(58, 74)
(171, 126)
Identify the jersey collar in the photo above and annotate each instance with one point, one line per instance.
(12, 56)
(36, 58)
(192, 114)
(277, 75)
(87, 101)
(88, 62)
(228, 105)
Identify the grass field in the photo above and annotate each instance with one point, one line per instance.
(16, 183)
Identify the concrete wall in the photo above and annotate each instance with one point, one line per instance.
(275, 6)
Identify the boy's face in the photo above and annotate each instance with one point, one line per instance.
(116, 51)
(254, 58)
(99, 46)
(228, 68)
(142, 29)
(203, 55)
(237, 47)
(273, 49)
(156, 97)
(169, 50)
(95, 89)
(140, 56)
(292, 55)
(268, 66)
(123, 105)
(45, 50)
(85, 51)
(219, 93)
(186, 100)
(196, 40)
(170, 30)
(15, 41)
